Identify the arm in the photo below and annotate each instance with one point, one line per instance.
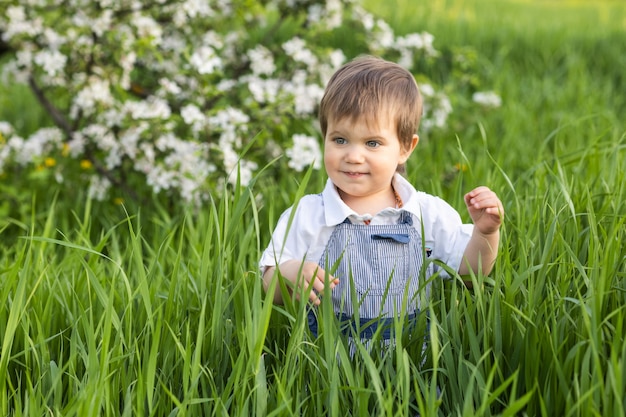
(487, 213)
(283, 263)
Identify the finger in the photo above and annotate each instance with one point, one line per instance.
(495, 211)
(315, 298)
(476, 191)
(308, 290)
(320, 282)
(484, 200)
(325, 282)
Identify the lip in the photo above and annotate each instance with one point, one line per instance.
(354, 174)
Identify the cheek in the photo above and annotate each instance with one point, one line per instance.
(329, 156)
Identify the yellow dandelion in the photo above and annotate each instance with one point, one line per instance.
(86, 164)
(66, 150)
(460, 167)
(49, 162)
(118, 201)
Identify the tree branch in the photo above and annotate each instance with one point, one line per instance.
(60, 120)
(54, 113)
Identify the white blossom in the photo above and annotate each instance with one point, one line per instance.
(24, 58)
(297, 50)
(51, 61)
(112, 117)
(191, 114)
(76, 145)
(18, 24)
(418, 41)
(305, 152)
(436, 110)
(98, 188)
(386, 37)
(147, 27)
(427, 90)
(406, 58)
(263, 90)
(363, 16)
(129, 139)
(225, 85)
(334, 11)
(53, 39)
(314, 13)
(6, 130)
(99, 25)
(261, 60)
(243, 172)
(487, 99)
(202, 76)
(97, 91)
(151, 108)
(170, 86)
(337, 58)
(228, 118)
(195, 8)
(213, 40)
(306, 96)
(127, 62)
(160, 179)
(39, 144)
(173, 42)
(205, 60)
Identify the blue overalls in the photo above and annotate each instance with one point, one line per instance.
(383, 263)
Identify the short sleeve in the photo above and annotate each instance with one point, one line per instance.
(294, 237)
(447, 236)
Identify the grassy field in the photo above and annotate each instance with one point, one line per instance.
(121, 311)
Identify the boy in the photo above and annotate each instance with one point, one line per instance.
(369, 222)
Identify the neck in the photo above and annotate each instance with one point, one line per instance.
(371, 204)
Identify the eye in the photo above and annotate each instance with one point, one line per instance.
(372, 144)
(340, 141)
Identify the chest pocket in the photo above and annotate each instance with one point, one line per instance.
(386, 267)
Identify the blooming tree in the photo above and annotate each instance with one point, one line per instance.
(183, 96)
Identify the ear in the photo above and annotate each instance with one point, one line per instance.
(406, 152)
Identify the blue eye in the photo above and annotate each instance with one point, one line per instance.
(340, 141)
(372, 144)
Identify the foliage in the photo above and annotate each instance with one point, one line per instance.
(159, 315)
(133, 309)
(170, 97)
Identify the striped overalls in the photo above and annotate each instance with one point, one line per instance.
(382, 263)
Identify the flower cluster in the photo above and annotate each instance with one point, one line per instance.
(180, 95)
(488, 99)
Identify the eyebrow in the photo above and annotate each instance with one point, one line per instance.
(370, 137)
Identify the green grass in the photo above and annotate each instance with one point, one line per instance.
(558, 66)
(141, 311)
(165, 316)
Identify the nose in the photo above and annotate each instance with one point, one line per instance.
(353, 155)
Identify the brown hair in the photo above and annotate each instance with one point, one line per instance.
(367, 86)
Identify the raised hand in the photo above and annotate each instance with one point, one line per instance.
(485, 209)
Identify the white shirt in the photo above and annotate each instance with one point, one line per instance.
(315, 216)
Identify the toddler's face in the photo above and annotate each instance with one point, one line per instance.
(361, 157)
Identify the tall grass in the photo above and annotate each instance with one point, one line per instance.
(173, 320)
(140, 311)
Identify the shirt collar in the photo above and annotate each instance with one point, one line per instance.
(336, 211)
(408, 194)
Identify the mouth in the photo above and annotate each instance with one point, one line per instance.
(354, 174)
